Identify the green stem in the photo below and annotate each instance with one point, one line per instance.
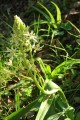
(33, 74)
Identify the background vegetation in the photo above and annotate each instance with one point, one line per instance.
(40, 60)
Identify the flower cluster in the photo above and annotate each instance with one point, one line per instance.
(23, 36)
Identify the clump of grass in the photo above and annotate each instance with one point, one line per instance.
(51, 95)
(16, 80)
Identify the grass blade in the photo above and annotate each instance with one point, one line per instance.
(40, 11)
(42, 65)
(45, 105)
(55, 116)
(52, 19)
(58, 13)
(74, 26)
(21, 112)
(64, 66)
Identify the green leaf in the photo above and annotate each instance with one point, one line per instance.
(67, 119)
(52, 19)
(60, 103)
(70, 112)
(55, 116)
(77, 36)
(45, 105)
(50, 87)
(21, 112)
(58, 13)
(64, 66)
(74, 26)
(42, 65)
(43, 13)
(66, 26)
(17, 101)
(48, 69)
(57, 32)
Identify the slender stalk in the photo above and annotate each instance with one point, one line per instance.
(33, 75)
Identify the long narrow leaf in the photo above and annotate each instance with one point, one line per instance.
(21, 112)
(43, 13)
(58, 13)
(55, 116)
(74, 26)
(64, 66)
(52, 19)
(45, 105)
(72, 34)
(39, 22)
(42, 65)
